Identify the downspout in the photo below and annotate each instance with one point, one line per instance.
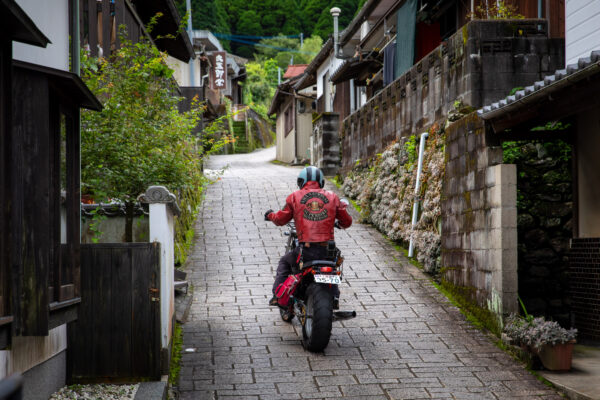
(335, 13)
(295, 126)
(75, 35)
(188, 7)
(411, 246)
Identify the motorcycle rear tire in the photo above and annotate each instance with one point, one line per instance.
(316, 329)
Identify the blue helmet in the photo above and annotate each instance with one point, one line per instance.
(311, 174)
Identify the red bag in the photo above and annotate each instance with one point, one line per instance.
(286, 289)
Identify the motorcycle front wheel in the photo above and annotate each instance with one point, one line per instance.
(318, 318)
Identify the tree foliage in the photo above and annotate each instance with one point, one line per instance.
(269, 18)
(139, 138)
(286, 51)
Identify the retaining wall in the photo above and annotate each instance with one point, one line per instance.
(479, 218)
(479, 64)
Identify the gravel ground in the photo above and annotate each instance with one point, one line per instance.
(96, 392)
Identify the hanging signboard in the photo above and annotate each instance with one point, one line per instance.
(219, 70)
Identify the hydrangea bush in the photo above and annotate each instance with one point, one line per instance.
(537, 332)
(384, 189)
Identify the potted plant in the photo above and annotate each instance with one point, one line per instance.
(551, 342)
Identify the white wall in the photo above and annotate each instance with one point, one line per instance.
(182, 71)
(284, 144)
(304, 126)
(28, 351)
(582, 28)
(52, 18)
(330, 64)
(162, 231)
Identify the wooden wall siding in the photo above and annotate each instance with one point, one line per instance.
(117, 335)
(479, 70)
(5, 114)
(31, 216)
(341, 100)
(100, 28)
(189, 93)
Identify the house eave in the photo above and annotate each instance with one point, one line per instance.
(16, 25)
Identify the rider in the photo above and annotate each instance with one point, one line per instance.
(314, 211)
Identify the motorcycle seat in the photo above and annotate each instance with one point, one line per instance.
(320, 262)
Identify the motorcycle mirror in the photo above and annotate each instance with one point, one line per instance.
(345, 201)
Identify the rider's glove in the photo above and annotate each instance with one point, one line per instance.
(267, 215)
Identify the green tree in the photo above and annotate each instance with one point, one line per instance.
(139, 138)
(260, 84)
(284, 50)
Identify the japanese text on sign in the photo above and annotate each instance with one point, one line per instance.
(219, 70)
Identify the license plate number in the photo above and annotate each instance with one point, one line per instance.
(333, 279)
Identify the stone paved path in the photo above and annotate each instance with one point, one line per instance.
(407, 342)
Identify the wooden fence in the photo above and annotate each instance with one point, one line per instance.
(117, 335)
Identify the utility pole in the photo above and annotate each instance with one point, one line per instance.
(188, 6)
(278, 75)
(301, 39)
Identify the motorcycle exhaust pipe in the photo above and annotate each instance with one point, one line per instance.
(343, 315)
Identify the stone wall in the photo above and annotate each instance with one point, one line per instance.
(325, 143)
(584, 270)
(109, 227)
(384, 189)
(545, 225)
(479, 225)
(479, 64)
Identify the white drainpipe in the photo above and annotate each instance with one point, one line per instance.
(411, 246)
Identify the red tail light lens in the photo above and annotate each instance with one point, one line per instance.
(326, 269)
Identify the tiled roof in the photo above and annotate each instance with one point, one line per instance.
(558, 79)
(294, 70)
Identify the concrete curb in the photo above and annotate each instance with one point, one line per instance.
(152, 391)
(570, 393)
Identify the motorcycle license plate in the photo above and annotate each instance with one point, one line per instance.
(333, 279)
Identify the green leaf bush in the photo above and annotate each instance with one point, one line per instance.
(140, 138)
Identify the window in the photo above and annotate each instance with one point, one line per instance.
(288, 117)
(66, 227)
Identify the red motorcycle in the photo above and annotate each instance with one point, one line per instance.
(308, 294)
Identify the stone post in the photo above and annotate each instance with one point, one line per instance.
(163, 209)
(326, 143)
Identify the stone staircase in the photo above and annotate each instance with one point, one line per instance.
(239, 132)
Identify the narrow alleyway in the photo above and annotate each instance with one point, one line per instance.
(407, 342)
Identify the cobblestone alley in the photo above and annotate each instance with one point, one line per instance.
(408, 341)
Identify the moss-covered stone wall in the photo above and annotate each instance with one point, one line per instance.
(545, 225)
(384, 189)
(479, 232)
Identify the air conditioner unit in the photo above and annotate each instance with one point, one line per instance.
(301, 107)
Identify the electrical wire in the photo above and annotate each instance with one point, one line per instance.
(231, 35)
(286, 49)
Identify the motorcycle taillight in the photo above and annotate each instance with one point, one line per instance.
(326, 269)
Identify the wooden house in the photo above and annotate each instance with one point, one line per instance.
(294, 117)
(39, 192)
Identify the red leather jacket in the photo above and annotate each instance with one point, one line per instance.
(314, 210)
